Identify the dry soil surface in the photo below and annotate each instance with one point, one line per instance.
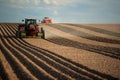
(68, 52)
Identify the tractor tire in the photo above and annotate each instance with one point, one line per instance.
(18, 34)
(43, 33)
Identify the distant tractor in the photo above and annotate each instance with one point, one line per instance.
(46, 20)
(30, 28)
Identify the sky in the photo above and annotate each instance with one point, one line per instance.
(61, 11)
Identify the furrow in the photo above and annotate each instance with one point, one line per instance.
(97, 30)
(56, 65)
(63, 63)
(103, 49)
(91, 32)
(108, 51)
(19, 69)
(3, 73)
(78, 65)
(78, 40)
(111, 52)
(83, 34)
(91, 70)
(6, 69)
(29, 65)
(42, 64)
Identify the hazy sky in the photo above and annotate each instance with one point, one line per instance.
(75, 11)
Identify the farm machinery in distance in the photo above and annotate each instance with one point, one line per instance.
(30, 28)
(46, 20)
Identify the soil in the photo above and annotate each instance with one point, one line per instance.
(63, 54)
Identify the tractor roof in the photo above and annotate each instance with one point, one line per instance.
(30, 19)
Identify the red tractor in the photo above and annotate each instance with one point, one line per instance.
(30, 28)
(47, 20)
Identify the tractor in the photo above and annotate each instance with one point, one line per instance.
(46, 20)
(30, 29)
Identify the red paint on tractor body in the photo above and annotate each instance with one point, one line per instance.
(47, 20)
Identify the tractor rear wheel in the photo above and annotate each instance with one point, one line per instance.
(43, 33)
(18, 34)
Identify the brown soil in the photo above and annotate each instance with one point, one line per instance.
(110, 27)
(60, 56)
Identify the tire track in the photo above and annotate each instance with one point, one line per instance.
(83, 34)
(97, 30)
(91, 70)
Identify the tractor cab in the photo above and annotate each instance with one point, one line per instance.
(30, 28)
(30, 21)
(30, 25)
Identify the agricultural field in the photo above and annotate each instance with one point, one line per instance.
(68, 52)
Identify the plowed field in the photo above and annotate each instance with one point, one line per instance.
(69, 52)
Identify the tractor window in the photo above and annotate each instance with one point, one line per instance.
(28, 22)
(31, 22)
